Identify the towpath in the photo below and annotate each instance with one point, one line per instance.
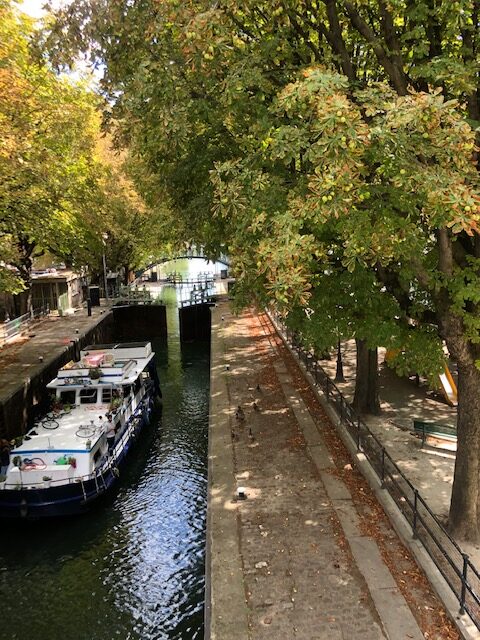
(309, 554)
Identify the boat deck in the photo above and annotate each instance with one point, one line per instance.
(66, 432)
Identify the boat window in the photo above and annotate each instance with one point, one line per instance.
(88, 396)
(137, 385)
(106, 395)
(68, 397)
(126, 390)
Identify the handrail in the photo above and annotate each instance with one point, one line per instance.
(15, 327)
(459, 572)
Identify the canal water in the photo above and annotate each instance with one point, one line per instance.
(133, 567)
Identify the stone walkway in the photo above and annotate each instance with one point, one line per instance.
(296, 559)
(28, 363)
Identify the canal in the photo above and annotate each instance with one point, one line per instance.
(133, 567)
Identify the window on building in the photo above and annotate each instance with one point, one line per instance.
(88, 396)
(68, 397)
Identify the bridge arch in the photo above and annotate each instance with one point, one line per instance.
(187, 254)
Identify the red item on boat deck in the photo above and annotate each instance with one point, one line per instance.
(94, 360)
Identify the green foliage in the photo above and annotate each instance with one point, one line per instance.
(327, 145)
(421, 353)
(62, 189)
(47, 139)
(317, 141)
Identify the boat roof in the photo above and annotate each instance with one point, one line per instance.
(115, 365)
(66, 433)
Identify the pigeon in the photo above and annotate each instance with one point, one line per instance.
(250, 434)
(255, 407)
(239, 413)
(258, 387)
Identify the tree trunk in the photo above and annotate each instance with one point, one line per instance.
(24, 266)
(373, 402)
(464, 507)
(366, 399)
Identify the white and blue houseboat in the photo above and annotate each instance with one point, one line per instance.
(65, 461)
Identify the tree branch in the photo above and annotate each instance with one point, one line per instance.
(337, 40)
(394, 72)
(306, 37)
(389, 32)
(445, 253)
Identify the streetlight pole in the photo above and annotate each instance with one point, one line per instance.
(104, 238)
(339, 373)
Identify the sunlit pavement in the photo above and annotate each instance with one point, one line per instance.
(303, 556)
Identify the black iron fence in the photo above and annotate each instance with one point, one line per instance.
(454, 565)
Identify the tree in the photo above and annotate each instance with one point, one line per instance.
(62, 189)
(394, 177)
(46, 165)
(368, 157)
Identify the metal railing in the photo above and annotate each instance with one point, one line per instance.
(17, 326)
(200, 279)
(201, 298)
(455, 566)
(132, 295)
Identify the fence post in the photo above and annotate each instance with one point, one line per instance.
(359, 440)
(383, 468)
(464, 583)
(415, 506)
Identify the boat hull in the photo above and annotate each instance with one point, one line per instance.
(77, 496)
